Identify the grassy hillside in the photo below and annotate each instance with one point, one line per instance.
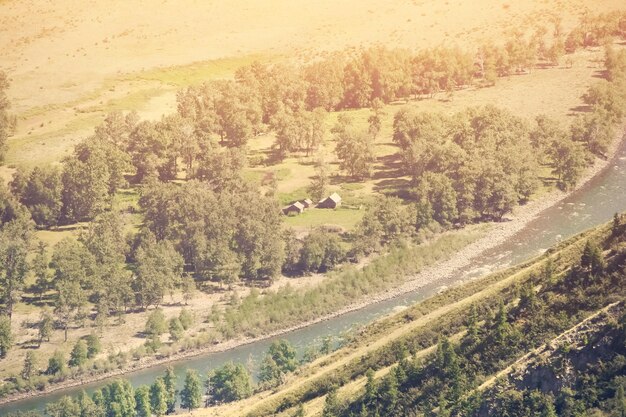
(553, 286)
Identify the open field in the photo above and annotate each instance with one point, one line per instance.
(71, 63)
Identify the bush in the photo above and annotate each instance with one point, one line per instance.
(156, 324)
(186, 318)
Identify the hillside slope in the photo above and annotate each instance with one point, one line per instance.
(448, 350)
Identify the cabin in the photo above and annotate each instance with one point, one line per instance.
(307, 203)
(330, 202)
(293, 209)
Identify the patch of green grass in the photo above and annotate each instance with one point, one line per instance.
(289, 197)
(33, 150)
(344, 217)
(133, 100)
(197, 72)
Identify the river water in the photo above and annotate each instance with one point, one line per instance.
(591, 205)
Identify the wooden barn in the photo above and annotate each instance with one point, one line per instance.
(293, 209)
(307, 203)
(331, 202)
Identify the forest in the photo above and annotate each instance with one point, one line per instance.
(200, 224)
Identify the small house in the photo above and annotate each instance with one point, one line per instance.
(331, 202)
(307, 203)
(293, 209)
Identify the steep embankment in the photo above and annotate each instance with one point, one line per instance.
(555, 286)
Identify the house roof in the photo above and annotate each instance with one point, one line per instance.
(307, 201)
(335, 197)
(297, 204)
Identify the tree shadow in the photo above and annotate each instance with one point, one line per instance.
(583, 108)
(32, 344)
(390, 166)
(394, 187)
(338, 179)
(601, 74)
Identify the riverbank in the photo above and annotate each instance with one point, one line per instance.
(498, 233)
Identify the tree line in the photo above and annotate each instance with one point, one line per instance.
(227, 383)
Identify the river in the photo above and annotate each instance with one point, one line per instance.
(593, 204)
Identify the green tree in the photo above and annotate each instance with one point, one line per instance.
(321, 181)
(231, 382)
(30, 365)
(389, 394)
(332, 407)
(156, 324)
(355, 150)
(321, 251)
(222, 169)
(15, 239)
(191, 394)
(6, 336)
(46, 326)
(158, 270)
(74, 268)
(65, 407)
(280, 359)
(170, 387)
(142, 402)
(93, 345)
(41, 269)
(88, 407)
(176, 329)
(437, 192)
(56, 363)
(40, 191)
(85, 189)
(370, 397)
(158, 397)
(592, 258)
(188, 287)
(186, 318)
(78, 356)
(120, 399)
(7, 121)
(387, 221)
(568, 162)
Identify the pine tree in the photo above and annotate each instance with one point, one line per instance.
(472, 335)
(176, 329)
(331, 404)
(549, 410)
(30, 365)
(158, 397)
(45, 326)
(6, 336)
(389, 394)
(93, 345)
(615, 229)
(371, 391)
(501, 325)
(170, 386)
(40, 267)
(191, 394)
(619, 402)
(142, 402)
(299, 411)
(79, 354)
